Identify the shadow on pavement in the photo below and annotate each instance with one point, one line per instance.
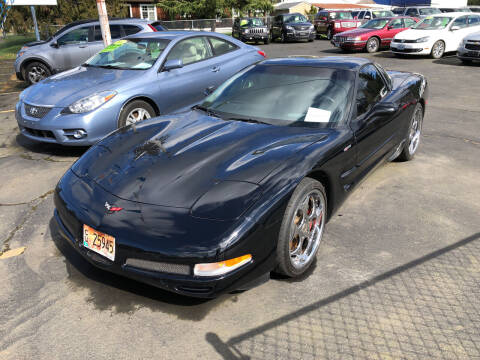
(398, 312)
(49, 149)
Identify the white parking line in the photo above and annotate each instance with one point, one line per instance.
(9, 93)
(6, 111)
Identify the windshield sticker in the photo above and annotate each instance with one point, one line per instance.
(113, 46)
(318, 115)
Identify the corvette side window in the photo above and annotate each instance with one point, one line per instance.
(370, 88)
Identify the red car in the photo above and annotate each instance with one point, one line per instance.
(331, 22)
(374, 34)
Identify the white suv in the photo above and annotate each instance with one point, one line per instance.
(436, 34)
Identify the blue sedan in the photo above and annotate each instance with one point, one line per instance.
(136, 78)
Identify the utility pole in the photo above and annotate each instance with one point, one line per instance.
(37, 34)
(103, 17)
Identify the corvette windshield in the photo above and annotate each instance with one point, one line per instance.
(433, 23)
(284, 95)
(131, 54)
(375, 24)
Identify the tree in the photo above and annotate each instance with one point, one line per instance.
(174, 8)
(19, 19)
(4, 9)
(473, 2)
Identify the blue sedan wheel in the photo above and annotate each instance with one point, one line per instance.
(134, 112)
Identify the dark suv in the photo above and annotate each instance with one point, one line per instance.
(330, 22)
(250, 29)
(293, 26)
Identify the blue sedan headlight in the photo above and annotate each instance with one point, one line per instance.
(91, 102)
(227, 200)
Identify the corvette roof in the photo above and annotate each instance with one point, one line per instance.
(334, 62)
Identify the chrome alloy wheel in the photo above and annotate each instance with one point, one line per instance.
(307, 229)
(36, 74)
(136, 115)
(438, 49)
(415, 132)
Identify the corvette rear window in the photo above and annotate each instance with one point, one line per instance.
(285, 95)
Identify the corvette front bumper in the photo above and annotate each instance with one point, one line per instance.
(146, 245)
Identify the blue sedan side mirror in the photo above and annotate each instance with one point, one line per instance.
(173, 64)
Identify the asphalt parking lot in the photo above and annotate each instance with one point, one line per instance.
(397, 277)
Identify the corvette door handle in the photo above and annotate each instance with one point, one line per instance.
(215, 69)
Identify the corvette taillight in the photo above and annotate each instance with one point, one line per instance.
(151, 27)
(262, 53)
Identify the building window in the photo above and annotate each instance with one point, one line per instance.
(148, 11)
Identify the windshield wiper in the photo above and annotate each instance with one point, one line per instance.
(249, 120)
(208, 111)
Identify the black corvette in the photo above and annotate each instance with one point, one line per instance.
(209, 200)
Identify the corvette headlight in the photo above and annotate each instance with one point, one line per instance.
(222, 267)
(91, 102)
(423, 39)
(226, 200)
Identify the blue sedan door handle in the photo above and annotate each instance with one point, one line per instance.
(216, 69)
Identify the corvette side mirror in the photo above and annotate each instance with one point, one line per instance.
(173, 64)
(384, 109)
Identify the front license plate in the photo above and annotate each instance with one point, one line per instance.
(337, 44)
(99, 242)
(303, 33)
(401, 47)
(474, 53)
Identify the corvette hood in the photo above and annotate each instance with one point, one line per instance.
(65, 88)
(173, 161)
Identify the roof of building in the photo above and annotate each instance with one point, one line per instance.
(289, 5)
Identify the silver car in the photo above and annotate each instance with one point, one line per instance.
(469, 49)
(71, 46)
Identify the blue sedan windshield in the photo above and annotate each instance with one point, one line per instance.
(133, 54)
(284, 95)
